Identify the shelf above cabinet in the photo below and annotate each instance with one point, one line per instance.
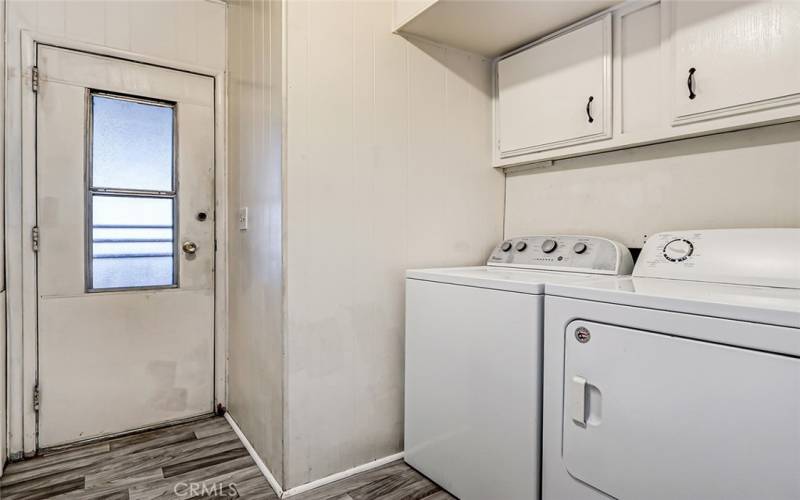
(490, 27)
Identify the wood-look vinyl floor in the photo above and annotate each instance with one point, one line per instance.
(146, 465)
(152, 464)
(393, 481)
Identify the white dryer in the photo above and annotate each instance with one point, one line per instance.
(473, 362)
(682, 382)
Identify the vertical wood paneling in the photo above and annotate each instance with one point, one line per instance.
(209, 34)
(387, 169)
(150, 17)
(51, 15)
(189, 31)
(255, 264)
(118, 29)
(83, 20)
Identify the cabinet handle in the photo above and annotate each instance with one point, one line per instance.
(690, 83)
(589, 108)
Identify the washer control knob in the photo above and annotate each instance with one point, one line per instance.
(521, 246)
(579, 247)
(506, 246)
(549, 246)
(678, 250)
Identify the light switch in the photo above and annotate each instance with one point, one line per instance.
(243, 219)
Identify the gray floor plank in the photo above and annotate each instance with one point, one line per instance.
(393, 481)
(220, 475)
(164, 457)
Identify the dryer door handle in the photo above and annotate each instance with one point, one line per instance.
(578, 400)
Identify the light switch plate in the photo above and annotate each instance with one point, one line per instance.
(243, 219)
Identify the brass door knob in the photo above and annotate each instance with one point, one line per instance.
(189, 247)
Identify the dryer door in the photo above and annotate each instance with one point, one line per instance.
(655, 416)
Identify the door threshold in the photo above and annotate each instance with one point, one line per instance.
(163, 425)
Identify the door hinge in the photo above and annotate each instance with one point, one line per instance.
(35, 238)
(36, 397)
(35, 78)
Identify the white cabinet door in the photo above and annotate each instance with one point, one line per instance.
(734, 57)
(557, 92)
(662, 417)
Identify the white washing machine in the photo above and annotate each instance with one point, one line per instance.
(473, 362)
(682, 382)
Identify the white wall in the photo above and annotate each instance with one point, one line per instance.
(748, 178)
(255, 389)
(174, 32)
(388, 169)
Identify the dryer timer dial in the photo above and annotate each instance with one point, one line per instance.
(678, 250)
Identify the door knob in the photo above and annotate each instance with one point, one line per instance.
(189, 247)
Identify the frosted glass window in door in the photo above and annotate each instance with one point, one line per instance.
(133, 242)
(132, 144)
(132, 195)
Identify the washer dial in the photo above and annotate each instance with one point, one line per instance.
(521, 246)
(678, 250)
(549, 246)
(579, 247)
(506, 246)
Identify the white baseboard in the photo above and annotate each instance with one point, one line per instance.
(341, 475)
(259, 463)
(313, 484)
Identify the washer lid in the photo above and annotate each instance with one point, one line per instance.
(499, 278)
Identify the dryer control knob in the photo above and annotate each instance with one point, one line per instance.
(549, 246)
(579, 247)
(521, 246)
(506, 246)
(678, 250)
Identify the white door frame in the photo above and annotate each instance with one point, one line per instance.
(20, 162)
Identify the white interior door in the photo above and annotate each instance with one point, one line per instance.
(662, 417)
(125, 169)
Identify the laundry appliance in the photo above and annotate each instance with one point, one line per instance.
(681, 382)
(474, 362)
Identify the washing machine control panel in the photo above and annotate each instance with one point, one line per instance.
(764, 257)
(585, 254)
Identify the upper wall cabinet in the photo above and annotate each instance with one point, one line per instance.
(734, 57)
(678, 69)
(556, 92)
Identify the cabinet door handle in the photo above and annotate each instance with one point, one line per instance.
(589, 108)
(690, 83)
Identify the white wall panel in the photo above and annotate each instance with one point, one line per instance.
(388, 144)
(255, 265)
(739, 179)
(183, 31)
